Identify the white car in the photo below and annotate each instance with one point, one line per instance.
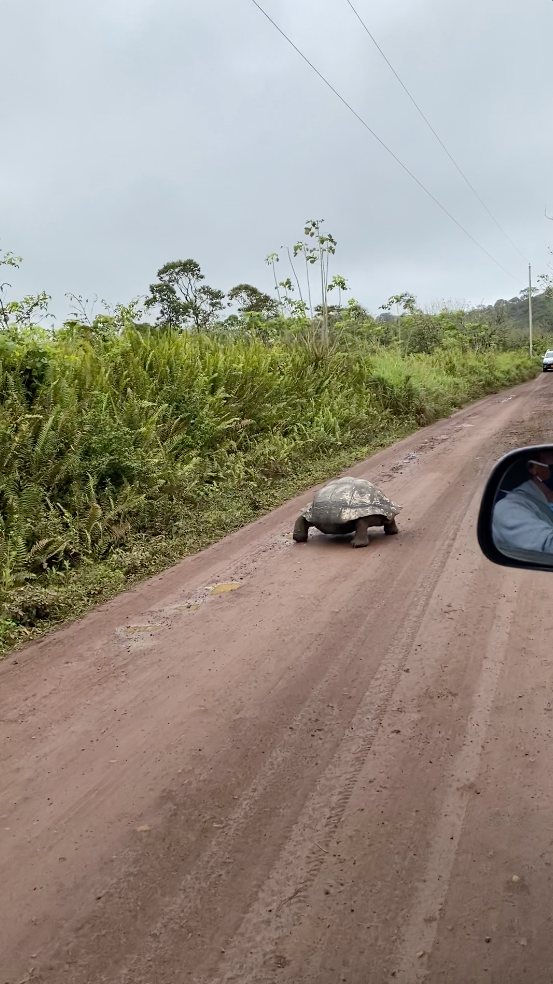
(548, 362)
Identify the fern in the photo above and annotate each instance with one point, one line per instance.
(126, 447)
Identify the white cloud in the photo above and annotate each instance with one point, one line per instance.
(144, 130)
(125, 13)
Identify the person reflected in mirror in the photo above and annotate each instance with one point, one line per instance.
(523, 519)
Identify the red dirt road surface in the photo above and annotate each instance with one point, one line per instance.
(340, 771)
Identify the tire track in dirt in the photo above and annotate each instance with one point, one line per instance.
(342, 773)
(205, 879)
(277, 772)
(420, 933)
(248, 827)
(310, 842)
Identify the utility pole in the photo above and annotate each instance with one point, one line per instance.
(530, 308)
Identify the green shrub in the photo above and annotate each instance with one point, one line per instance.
(121, 453)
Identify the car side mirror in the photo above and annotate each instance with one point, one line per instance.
(515, 524)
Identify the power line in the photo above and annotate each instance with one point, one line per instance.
(429, 125)
(381, 142)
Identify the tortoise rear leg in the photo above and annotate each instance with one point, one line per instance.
(301, 530)
(361, 538)
(391, 527)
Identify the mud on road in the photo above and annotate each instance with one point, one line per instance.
(335, 767)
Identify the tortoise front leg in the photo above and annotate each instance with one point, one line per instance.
(361, 538)
(391, 527)
(301, 530)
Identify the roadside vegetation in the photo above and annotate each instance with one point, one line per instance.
(134, 436)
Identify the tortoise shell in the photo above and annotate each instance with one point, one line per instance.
(344, 501)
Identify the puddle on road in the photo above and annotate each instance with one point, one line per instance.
(139, 635)
(216, 589)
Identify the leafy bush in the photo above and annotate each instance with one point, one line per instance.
(121, 451)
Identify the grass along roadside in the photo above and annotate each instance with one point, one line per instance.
(119, 458)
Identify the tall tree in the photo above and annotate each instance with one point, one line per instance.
(183, 299)
(253, 301)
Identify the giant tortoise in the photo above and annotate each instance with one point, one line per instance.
(348, 505)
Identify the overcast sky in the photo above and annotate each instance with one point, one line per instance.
(140, 131)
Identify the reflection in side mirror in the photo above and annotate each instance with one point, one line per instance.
(515, 525)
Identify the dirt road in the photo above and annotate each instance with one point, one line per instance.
(339, 771)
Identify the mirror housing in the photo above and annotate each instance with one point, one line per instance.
(519, 477)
